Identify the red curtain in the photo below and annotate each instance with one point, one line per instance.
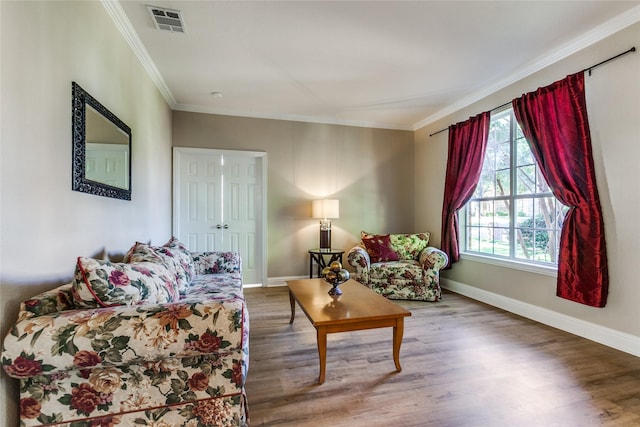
(467, 145)
(554, 122)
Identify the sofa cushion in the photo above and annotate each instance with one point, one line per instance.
(379, 248)
(141, 252)
(409, 246)
(216, 262)
(176, 249)
(222, 286)
(102, 283)
(403, 269)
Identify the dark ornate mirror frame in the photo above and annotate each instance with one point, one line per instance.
(79, 181)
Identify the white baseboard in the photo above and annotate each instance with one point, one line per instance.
(280, 281)
(594, 332)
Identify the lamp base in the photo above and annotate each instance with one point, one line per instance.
(325, 239)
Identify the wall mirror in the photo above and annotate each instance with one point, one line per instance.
(101, 149)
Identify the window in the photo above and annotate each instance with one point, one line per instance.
(512, 213)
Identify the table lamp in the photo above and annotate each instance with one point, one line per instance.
(325, 210)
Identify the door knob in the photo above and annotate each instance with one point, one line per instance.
(218, 226)
(225, 226)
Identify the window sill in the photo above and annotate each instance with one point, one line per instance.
(508, 263)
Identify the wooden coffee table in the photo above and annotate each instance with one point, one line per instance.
(356, 309)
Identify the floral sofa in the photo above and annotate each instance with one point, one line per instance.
(399, 266)
(158, 340)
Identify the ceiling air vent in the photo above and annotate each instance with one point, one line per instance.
(167, 19)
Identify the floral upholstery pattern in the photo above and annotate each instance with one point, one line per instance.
(180, 363)
(141, 252)
(179, 251)
(409, 246)
(217, 262)
(52, 301)
(103, 283)
(414, 276)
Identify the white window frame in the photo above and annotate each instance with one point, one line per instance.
(548, 269)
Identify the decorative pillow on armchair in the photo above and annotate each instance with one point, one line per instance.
(409, 246)
(366, 235)
(102, 283)
(379, 248)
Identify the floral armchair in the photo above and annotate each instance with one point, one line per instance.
(139, 358)
(399, 266)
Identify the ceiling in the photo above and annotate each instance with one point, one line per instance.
(389, 64)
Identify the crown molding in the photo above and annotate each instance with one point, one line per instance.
(596, 34)
(292, 117)
(125, 27)
(119, 17)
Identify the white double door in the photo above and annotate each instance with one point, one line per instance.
(218, 204)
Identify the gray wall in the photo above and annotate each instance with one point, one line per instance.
(44, 225)
(369, 170)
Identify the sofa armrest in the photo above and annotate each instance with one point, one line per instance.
(123, 335)
(52, 301)
(433, 258)
(359, 259)
(217, 262)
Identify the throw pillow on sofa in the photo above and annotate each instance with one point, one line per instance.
(379, 248)
(176, 249)
(102, 283)
(141, 252)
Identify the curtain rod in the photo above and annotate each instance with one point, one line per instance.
(588, 69)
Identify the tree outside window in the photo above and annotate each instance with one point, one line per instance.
(512, 213)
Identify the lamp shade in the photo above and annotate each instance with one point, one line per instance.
(326, 209)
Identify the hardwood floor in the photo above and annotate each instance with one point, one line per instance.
(464, 364)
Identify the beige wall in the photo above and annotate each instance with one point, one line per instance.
(376, 174)
(44, 225)
(613, 103)
(369, 170)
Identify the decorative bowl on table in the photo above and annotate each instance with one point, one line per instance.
(335, 275)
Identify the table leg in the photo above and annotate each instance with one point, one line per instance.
(398, 331)
(292, 301)
(322, 352)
